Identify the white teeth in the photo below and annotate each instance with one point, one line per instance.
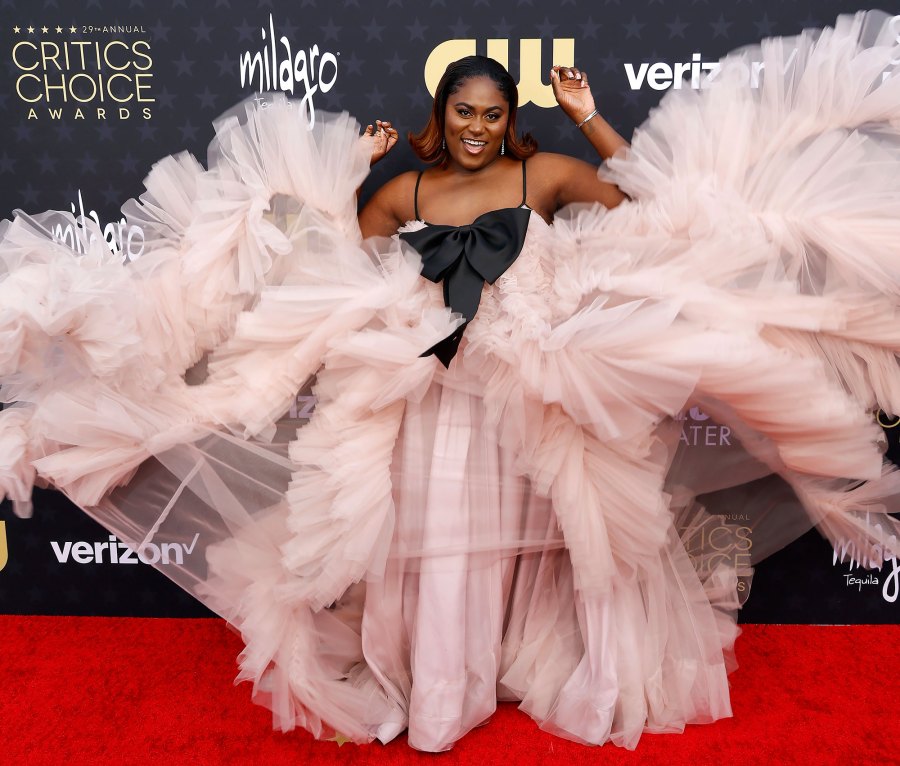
(474, 142)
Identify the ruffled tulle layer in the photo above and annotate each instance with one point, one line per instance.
(525, 524)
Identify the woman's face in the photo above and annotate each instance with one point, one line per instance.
(475, 122)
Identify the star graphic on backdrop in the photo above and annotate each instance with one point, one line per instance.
(201, 31)
(720, 27)
(188, 132)
(58, 30)
(223, 4)
(263, 3)
(564, 132)
(44, 30)
(525, 2)
(610, 62)
(287, 29)
(30, 30)
(545, 28)
(416, 30)
(111, 194)
(460, 29)
(47, 163)
(182, 3)
(676, 28)
(485, 3)
(589, 28)
(165, 98)
(73, 29)
(226, 64)
(503, 29)
(633, 28)
(88, 163)
(396, 64)
(398, 3)
(136, 3)
(764, 27)
(63, 131)
(332, 100)
(29, 197)
(373, 31)
(17, 30)
(631, 97)
(147, 131)
(207, 98)
(244, 31)
(129, 163)
(339, 738)
(348, 3)
(353, 63)
(7, 163)
(183, 64)
(376, 99)
(331, 31)
(160, 32)
(23, 132)
(418, 97)
(105, 131)
(810, 22)
(94, 4)
(4, 97)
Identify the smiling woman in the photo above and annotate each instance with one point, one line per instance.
(477, 155)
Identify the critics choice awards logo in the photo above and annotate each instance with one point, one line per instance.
(82, 71)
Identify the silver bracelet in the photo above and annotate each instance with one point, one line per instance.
(588, 118)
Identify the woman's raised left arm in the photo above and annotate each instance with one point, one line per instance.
(573, 93)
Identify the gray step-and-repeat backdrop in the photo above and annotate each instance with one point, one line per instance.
(94, 92)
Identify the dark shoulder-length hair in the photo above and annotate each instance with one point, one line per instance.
(429, 143)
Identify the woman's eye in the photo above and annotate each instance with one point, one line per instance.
(462, 112)
(492, 116)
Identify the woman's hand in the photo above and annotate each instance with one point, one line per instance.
(383, 137)
(572, 92)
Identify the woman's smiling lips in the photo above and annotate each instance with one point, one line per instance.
(474, 145)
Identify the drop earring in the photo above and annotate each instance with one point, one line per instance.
(443, 144)
(503, 146)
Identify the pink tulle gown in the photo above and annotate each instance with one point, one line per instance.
(522, 525)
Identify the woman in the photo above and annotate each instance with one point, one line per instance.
(473, 120)
(490, 501)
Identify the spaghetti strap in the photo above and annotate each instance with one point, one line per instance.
(416, 196)
(524, 186)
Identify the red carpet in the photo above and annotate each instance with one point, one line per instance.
(128, 691)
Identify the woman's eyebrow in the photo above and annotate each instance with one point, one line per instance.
(469, 106)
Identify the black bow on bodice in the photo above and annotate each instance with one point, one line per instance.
(464, 258)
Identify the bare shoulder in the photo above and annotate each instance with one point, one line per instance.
(397, 189)
(563, 180)
(553, 164)
(389, 207)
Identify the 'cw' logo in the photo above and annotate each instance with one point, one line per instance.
(531, 87)
(4, 551)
